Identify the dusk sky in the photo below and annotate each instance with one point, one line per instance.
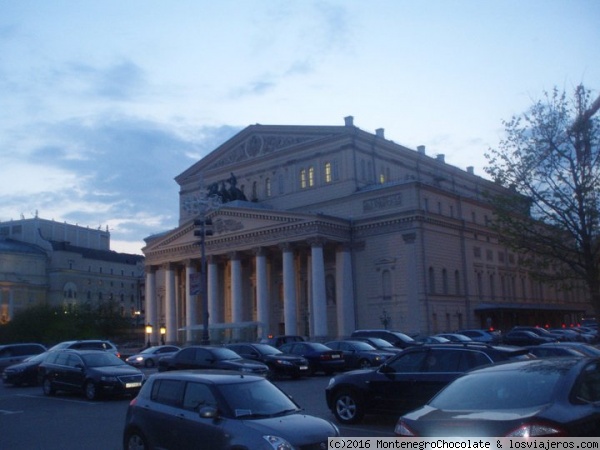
(104, 103)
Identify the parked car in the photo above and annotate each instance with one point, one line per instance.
(88, 344)
(320, 357)
(433, 340)
(554, 397)
(279, 363)
(455, 337)
(219, 410)
(409, 379)
(15, 353)
(91, 372)
(483, 335)
(537, 330)
(553, 351)
(586, 349)
(379, 344)
(278, 341)
(524, 338)
(358, 354)
(395, 338)
(563, 334)
(210, 357)
(25, 372)
(149, 356)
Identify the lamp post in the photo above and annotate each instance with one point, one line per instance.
(148, 334)
(385, 319)
(163, 331)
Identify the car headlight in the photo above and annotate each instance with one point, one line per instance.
(283, 362)
(139, 358)
(331, 381)
(278, 443)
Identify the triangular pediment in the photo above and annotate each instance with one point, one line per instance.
(257, 141)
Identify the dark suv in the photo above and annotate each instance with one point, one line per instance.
(409, 379)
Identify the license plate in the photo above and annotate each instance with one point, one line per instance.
(132, 385)
(303, 367)
(335, 356)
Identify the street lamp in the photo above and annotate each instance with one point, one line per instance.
(385, 319)
(148, 333)
(163, 331)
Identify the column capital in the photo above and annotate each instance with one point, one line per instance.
(234, 256)
(260, 251)
(286, 247)
(169, 266)
(316, 242)
(150, 269)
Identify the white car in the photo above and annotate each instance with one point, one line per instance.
(149, 357)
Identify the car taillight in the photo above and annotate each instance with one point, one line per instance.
(133, 401)
(326, 356)
(537, 430)
(402, 430)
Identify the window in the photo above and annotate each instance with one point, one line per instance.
(268, 187)
(311, 176)
(457, 282)
(445, 281)
(431, 281)
(196, 396)
(168, 392)
(386, 284)
(303, 179)
(328, 173)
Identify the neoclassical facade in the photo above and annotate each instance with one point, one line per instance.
(318, 230)
(66, 265)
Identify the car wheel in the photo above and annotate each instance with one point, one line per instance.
(149, 363)
(135, 440)
(90, 390)
(364, 363)
(47, 387)
(348, 408)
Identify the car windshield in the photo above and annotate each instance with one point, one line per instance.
(498, 390)
(257, 399)
(266, 349)
(224, 353)
(381, 342)
(362, 346)
(102, 359)
(149, 350)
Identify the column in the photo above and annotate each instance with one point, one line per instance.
(236, 288)
(151, 306)
(191, 300)
(170, 306)
(412, 289)
(214, 312)
(344, 292)
(262, 292)
(319, 296)
(289, 291)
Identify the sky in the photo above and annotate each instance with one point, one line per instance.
(103, 103)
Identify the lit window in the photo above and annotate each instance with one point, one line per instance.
(328, 173)
(311, 176)
(268, 187)
(303, 178)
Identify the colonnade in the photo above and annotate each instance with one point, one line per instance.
(237, 279)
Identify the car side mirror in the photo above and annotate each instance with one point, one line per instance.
(208, 412)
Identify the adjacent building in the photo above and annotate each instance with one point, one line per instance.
(319, 230)
(43, 261)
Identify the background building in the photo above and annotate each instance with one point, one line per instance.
(318, 230)
(43, 261)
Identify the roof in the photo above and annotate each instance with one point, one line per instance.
(8, 245)
(214, 376)
(102, 255)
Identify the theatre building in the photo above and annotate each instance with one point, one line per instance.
(319, 230)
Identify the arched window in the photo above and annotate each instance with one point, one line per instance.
(268, 187)
(311, 176)
(445, 281)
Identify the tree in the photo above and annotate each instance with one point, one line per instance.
(549, 162)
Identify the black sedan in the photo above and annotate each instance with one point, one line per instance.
(524, 338)
(219, 410)
(409, 379)
(92, 372)
(359, 354)
(280, 364)
(551, 397)
(210, 357)
(25, 372)
(320, 357)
